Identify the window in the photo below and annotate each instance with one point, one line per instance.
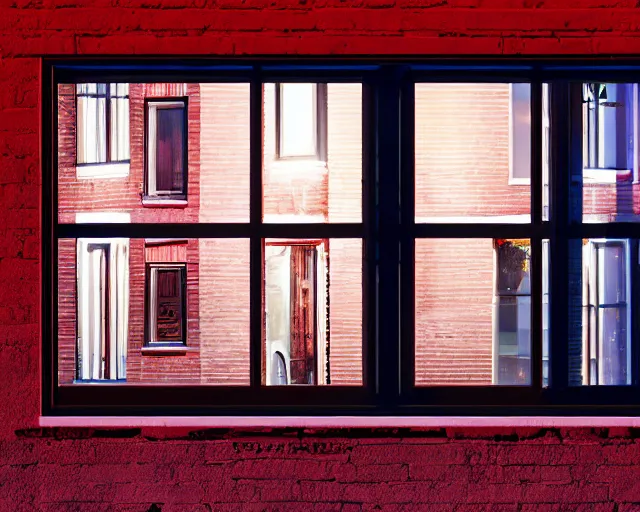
(166, 296)
(301, 111)
(606, 330)
(513, 312)
(102, 309)
(166, 303)
(609, 125)
(102, 128)
(404, 275)
(166, 150)
(520, 126)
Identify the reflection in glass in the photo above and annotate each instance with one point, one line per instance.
(473, 312)
(610, 163)
(313, 312)
(606, 317)
(153, 311)
(472, 152)
(312, 152)
(513, 311)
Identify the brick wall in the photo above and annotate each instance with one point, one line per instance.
(470, 469)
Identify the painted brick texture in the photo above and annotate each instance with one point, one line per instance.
(467, 470)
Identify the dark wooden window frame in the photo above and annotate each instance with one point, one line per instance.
(181, 196)
(182, 269)
(388, 232)
(108, 97)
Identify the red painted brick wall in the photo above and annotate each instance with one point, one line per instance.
(472, 470)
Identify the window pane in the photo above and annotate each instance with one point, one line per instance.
(609, 127)
(218, 159)
(600, 351)
(298, 120)
(312, 153)
(119, 129)
(153, 311)
(90, 131)
(166, 303)
(545, 313)
(472, 152)
(473, 312)
(313, 312)
(170, 150)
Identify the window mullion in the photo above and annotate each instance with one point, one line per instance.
(536, 240)
(388, 248)
(407, 248)
(565, 159)
(256, 358)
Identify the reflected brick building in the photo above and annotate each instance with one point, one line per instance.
(178, 310)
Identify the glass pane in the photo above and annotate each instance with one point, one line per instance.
(298, 121)
(312, 153)
(91, 135)
(169, 150)
(217, 142)
(610, 153)
(473, 312)
(119, 130)
(153, 311)
(600, 351)
(313, 312)
(473, 145)
(546, 155)
(545, 313)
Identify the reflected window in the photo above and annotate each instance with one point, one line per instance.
(296, 314)
(102, 134)
(512, 331)
(608, 131)
(520, 126)
(606, 340)
(102, 309)
(166, 149)
(166, 277)
(301, 113)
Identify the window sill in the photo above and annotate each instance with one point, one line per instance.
(519, 181)
(605, 176)
(102, 171)
(337, 421)
(154, 202)
(167, 351)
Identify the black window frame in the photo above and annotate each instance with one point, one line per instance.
(184, 194)
(388, 232)
(108, 142)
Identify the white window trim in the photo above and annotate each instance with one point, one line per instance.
(103, 218)
(152, 106)
(102, 171)
(604, 175)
